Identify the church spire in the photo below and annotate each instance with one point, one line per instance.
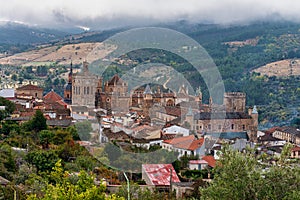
(71, 67)
(71, 73)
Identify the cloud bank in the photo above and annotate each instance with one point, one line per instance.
(111, 13)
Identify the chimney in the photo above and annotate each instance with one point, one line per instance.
(250, 111)
(85, 66)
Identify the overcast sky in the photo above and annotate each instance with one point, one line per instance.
(109, 13)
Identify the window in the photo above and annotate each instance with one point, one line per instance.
(87, 90)
(209, 126)
(232, 126)
(244, 127)
(220, 127)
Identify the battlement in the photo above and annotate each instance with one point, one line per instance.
(235, 101)
(234, 94)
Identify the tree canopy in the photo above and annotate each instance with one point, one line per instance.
(240, 176)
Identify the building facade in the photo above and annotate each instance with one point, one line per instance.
(233, 120)
(114, 97)
(68, 87)
(84, 87)
(289, 134)
(29, 92)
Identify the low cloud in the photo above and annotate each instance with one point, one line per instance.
(111, 13)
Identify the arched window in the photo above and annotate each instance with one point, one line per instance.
(170, 102)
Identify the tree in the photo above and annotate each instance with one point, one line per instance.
(9, 126)
(41, 71)
(42, 160)
(64, 188)
(56, 82)
(14, 77)
(137, 193)
(240, 176)
(296, 122)
(38, 122)
(74, 133)
(45, 137)
(84, 130)
(29, 69)
(61, 136)
(9, 108)
(20, 79)
(7, 162)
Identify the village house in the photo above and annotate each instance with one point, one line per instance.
(188, 145)
(29, 92)
(183, 189)
(269, 140)
(295, 152)
(159, 175)
(178, 130)
(198, 164)
(289, 134)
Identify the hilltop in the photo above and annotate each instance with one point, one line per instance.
(59, 54)
(288, 67)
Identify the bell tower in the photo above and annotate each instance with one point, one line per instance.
(68, 87)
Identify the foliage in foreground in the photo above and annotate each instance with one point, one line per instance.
(67, 186)
(240, 176)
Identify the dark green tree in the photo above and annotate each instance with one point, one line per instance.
(14, 77)
(240, 176)
(46, 137)
(38, 122)
(42, 160)
(84, 130)
(9, 108)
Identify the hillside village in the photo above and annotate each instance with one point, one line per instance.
(148, 119)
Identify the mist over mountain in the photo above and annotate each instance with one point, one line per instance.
(23, 34)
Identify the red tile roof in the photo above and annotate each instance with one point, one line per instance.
(115, 80)
(180, 139)
(297, 148)
(186, 142)
(210, 159)
(196, 144)
(30, 87)
(271, 130)
(198, 162)
(159, 174)
(53, 96)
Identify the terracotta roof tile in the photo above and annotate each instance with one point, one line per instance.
(210, 159)
(198, 162)
(53, 96)
(180, 139)
(297, 148)
(187, 142)
(159, 174)
(30, 87)
(115, 80)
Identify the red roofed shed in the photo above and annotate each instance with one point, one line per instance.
(159, 174)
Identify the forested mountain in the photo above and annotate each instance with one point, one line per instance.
(236, 50)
